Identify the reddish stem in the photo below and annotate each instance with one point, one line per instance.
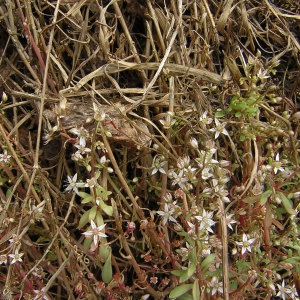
(36, 49)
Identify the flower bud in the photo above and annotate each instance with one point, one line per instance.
(4, 97)
(194, 143)
(296, 115)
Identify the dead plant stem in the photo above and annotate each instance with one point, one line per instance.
(71, 204)
(20, 165)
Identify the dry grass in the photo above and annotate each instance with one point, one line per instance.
(137, 77)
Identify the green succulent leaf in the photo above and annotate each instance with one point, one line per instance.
(84, 219)
(87, 198)
(287, 204)
(104, 252)
(106, 208)
(207, 261)
(188, 273)
(196, 290)
(102, 193)
(180, 290)
(107, 270)
(264, 197)
(99, 219)
(93, 212)
(219, 114)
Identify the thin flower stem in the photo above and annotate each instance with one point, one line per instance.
(225, 268)
(164, 177)
(185, 203)
(254, 169)
(267, 223)
(164, 180)
(233, 147)
(120, 175)
(118, 192)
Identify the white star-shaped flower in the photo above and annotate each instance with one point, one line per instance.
(206, 221)
(95, 232)
(283, 291)
(16, 257)
(167, 214)
(205, 119)
(245, 244)
(230, 221)
(73, 185)
(158, 165)
(216, 286)
(220, 128)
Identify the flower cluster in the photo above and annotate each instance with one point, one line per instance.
(171, 210)
(200, 225)
(97, 200)
(184, 175)
(284, 291)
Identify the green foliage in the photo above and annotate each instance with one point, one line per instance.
(95, 212)
(244, 106)
(287, 204)
(264, 197)
(180, 290)
(196, 290)
(84, 219)
(107, 270)
(208, 260)
(184, 275)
